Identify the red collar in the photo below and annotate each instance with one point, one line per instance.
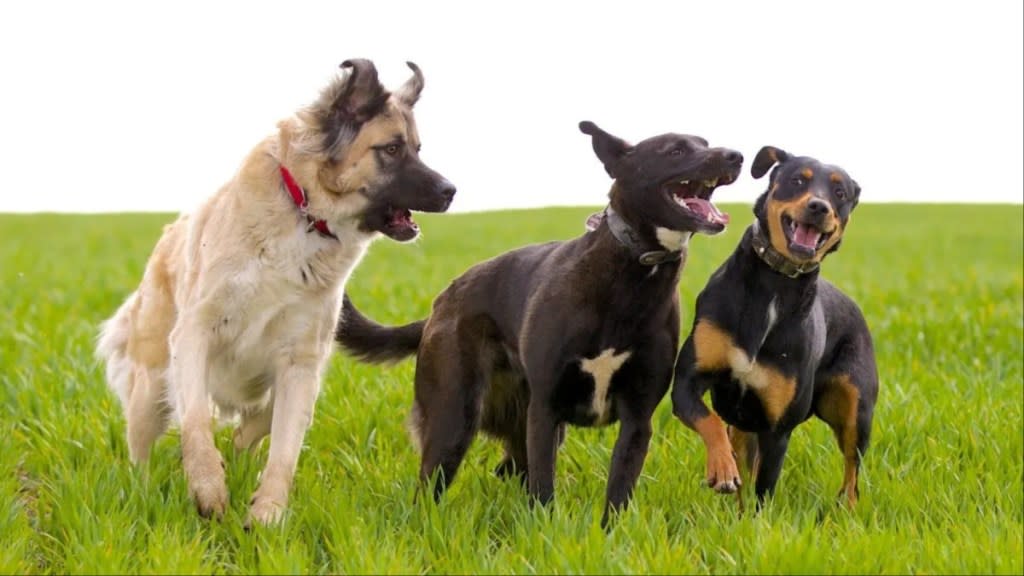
(300, 200)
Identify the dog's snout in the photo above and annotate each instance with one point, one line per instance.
(446, 189)
(733, 157)
(818, 207)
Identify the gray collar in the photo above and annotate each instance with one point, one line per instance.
(776, 261)
(629, 238)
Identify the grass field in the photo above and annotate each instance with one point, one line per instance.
(942, 288)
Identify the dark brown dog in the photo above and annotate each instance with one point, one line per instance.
(582, 332)
(773, 342)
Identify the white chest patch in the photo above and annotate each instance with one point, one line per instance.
(672, 239)
(748, 372)
(602, 368)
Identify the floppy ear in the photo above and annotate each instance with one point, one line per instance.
(609, 149)
(409, 93)
(766, 158)
(856, 194)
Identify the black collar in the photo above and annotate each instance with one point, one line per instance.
(776, 261)
(629, 238)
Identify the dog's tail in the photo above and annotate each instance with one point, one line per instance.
(112, 348)
(371, 342)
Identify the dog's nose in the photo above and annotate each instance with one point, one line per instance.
(446, 189)
(818, 206)
(733, 157)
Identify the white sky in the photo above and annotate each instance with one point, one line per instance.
(124, 106)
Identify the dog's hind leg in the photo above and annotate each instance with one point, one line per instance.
(744, 446)
(147, 412)
(253, 427)
(451, 422)
(842, 407)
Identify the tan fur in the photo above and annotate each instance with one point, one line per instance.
(715, 350)
(776, 209)
(237, 307)
(837, 405)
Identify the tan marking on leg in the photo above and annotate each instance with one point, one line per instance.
(744, 446)
(722, 473)
(602, 368)
(837, 405)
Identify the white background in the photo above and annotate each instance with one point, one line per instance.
(151, 106)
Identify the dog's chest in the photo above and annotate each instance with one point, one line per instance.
(268, 314)
(584, 394)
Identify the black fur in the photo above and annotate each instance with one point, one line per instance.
(798, 331)
(505, 345)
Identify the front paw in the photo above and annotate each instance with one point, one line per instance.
(723, 475)
(207, 485)
(265, 512)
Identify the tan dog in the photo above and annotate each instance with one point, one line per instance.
(237, 307)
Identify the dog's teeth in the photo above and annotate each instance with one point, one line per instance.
(684, 182)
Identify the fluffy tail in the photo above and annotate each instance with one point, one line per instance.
(112, 348)
(371, 342)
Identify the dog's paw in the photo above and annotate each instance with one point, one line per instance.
(207, 485)
(723, 475)
(211, 497)
(264, 512)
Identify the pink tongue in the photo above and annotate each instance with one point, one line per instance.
(400, 218)
(703, 208)
(806, 236)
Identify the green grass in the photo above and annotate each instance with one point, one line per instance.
(942, 288)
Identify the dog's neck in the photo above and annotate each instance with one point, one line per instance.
(301, 202)
(638, 247)
(762, 246)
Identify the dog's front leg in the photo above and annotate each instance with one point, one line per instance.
(295, 391)
(688, 405)
(627, 461)
(542, 439)
(204, 466)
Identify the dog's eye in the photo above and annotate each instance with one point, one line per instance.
(840, 192)
(797, 180)
(676, 152)
(391, 149)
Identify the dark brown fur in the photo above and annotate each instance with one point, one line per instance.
(520, 345)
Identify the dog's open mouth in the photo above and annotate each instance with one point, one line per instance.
(805, 239)
(399, 225)
(694, 196)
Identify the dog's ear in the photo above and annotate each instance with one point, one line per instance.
(766, 158)
(409, 93)
(351, 99)
(609, 149)
(856, 194)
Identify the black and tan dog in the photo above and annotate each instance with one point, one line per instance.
(583, 331)
(772, 341)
